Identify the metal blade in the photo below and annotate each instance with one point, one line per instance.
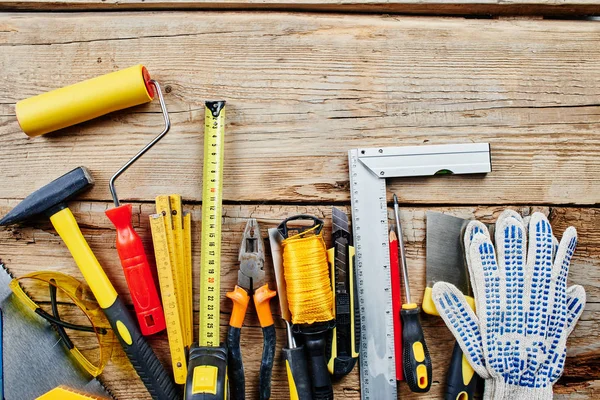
(339, 219)
(34, 359)
(445, 255)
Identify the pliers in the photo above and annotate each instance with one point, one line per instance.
(251, 282)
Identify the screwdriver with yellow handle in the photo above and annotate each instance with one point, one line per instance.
(416, 359)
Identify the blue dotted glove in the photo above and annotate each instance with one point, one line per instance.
(525, 312)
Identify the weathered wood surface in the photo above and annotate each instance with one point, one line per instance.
(419, 7)
(37, 247)
(302, 90)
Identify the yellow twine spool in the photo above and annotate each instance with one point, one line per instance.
(306, 271)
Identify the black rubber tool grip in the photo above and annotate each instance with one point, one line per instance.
(416, 359)
(155, 378)
(235, 365)
(266, 365)
(456, 387)
(314, 338)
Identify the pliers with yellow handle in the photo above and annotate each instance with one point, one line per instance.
(251, 282)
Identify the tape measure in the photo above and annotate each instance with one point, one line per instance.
(207, 375)
(169, 296)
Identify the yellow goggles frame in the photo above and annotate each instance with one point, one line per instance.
(80, 295)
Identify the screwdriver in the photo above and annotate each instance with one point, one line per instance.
(416, 359)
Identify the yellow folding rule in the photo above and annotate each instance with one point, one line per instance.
(171, 234)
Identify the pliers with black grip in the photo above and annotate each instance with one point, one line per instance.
(251, 282)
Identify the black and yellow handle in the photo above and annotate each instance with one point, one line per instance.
(416, 359)
(462, 381)
(314, 339)
(297, 373)
(343, 342)
(207, 373)
(145, 362)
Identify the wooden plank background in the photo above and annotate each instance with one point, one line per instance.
(480, 8)
(302, 89)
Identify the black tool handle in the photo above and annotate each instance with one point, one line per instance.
(155, 378)
(266, 365)
(297, 371)
(314, 343)
(462, 381)
(416, 359)
(207, 373)
(284, 229)
(235, 365)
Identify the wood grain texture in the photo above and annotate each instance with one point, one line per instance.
(302, 89)
(420, 7)
(36, 247)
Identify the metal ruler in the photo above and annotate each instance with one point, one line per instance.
(369, 169)
(168, 291)
(212, 189)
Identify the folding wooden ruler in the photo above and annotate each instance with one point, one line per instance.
(171, 235)
(369, 169)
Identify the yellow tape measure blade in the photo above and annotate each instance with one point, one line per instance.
(212, 189)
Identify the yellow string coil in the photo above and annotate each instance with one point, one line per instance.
(306, 271)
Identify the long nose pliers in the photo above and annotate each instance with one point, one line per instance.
(251, 282)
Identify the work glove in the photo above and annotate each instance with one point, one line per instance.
(517, 338)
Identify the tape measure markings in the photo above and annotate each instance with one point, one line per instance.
(210, 264)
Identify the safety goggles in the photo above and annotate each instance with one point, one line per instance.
(69, 305)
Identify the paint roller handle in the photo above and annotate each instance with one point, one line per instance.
(137, 272)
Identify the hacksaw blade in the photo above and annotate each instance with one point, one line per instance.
(34, 359)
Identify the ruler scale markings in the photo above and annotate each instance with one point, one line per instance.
(187, 237)
(369, 169)
(169, 298)
(369, 207)
(211, 231)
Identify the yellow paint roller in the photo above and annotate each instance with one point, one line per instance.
(85, 100)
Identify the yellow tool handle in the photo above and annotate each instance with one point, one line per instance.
(65, 224)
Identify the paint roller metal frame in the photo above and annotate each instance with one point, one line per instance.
(369, 169)
(163, 108)
(129, 245)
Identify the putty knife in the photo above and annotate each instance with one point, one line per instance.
(446, 263)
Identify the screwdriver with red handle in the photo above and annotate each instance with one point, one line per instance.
(136, 268)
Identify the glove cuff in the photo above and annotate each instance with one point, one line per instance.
(499, 390)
